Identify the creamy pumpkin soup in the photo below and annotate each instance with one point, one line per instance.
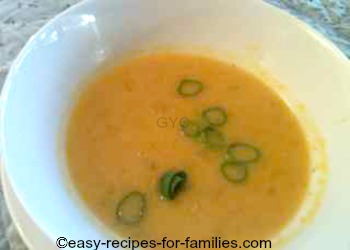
(172, 145)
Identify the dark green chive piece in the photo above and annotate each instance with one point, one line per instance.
(215, 116)
(234, 172)
(242, 153)
(213, 138)
(131, 208)
(172, 183)
(191, 129)
(189, 87)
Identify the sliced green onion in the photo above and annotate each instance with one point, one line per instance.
(131, 208)
(172, 183)
(189, 87)
(242, 153)
(191, 129)
(213, 138)
(215, 116)
(235, 173)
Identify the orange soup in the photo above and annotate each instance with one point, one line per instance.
(175, 145)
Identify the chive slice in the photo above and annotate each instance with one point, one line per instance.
(189, 87)
(131, 208)
(215, 116)
(191, 129)
(213, 138)
(242, 153)
(172, 183)
(236, 173)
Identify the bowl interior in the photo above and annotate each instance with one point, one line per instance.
(46, 76)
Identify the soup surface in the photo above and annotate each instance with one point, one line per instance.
(175, 145)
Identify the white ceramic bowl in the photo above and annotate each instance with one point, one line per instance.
(39, 90)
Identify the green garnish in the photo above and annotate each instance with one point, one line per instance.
(242, 153)
(131, 208)
(215, 116)
(235, 173)
(189, 87)
(172, 183)
(213, 138)
(191, 129)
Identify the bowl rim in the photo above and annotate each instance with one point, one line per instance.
(5, 179)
